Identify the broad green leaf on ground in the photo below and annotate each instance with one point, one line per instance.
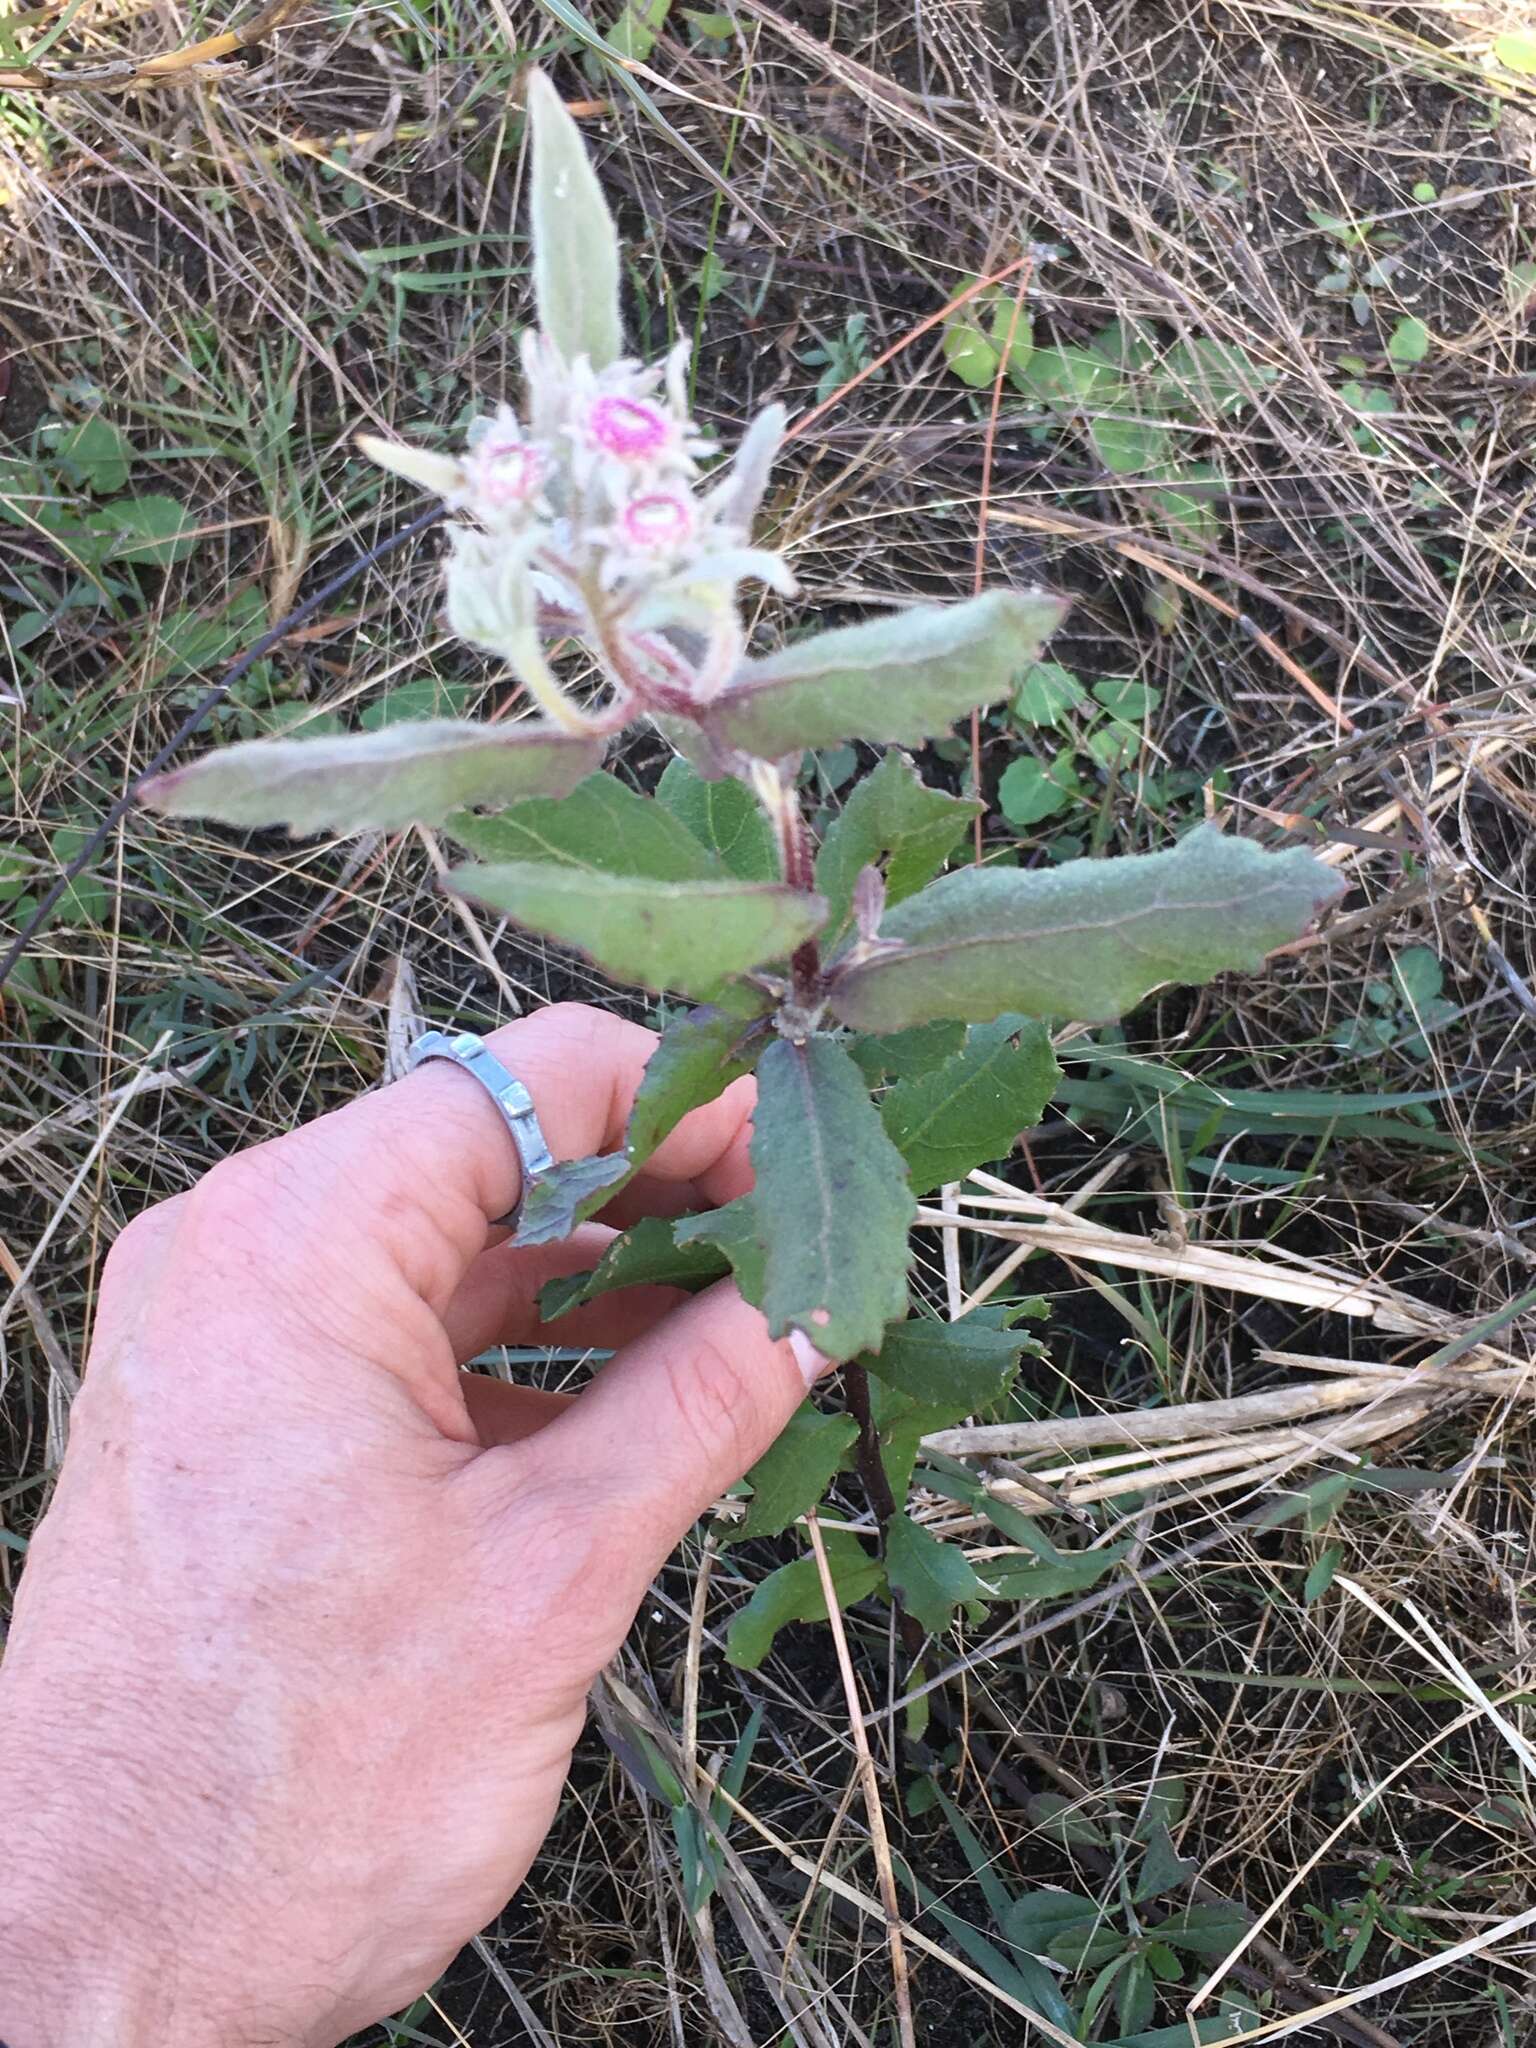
(1067, 378)
(402, 775)
(1127, 698)
(697, 1057)
(905, 1053)
(689, 936)
(1516, 51)
(790, 1478)
(1205, 1930)
(645, 1255)
(602, 827)
(724, 817)
(1055, 1579)
(1031, 791)
(904, 678)
(1408, 342)
(834, 1205)
(95, 455)
(930, 1579)
(1046, 694)
(148, 532)
(734, 1233)
(1087, 939)
(794, 1593)
(965, 1365)
(968, 352)
(634, 33)
(1130, 446)
(1163, 1869)
(893, 821)
(566, 1195)
(575, 243)
(1037, 1919)
(969, 1111)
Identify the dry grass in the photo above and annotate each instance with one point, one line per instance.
(243, 264)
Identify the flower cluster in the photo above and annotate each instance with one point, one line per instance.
(589, 515)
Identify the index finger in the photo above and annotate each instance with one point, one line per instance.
(422, 1168)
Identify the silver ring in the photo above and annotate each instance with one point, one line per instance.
(471, 1052)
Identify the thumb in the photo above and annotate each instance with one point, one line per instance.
(678, 1415)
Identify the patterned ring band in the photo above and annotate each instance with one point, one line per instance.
(470, 1052)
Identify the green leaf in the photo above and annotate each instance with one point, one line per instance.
(734, 1232)
(1129, 446)
(148, 532)
(1047, 693)
(1065, 378)
(602, 827)
(1087, 939)
(95, 455)
(1039, 1918)
(1125, 698)
(1135, 1995)
(790, 1478)
(1204, 1930)
(697, 1057)
(1320, 1575)
(689, 936)
(966, 1365)
(969, 1111)
(903, 678)
(905, 1053)
(930, 1579)
(575, 244)
(1163, 1869)
(401, 775)
(1424, 191)
(968, 352)
(1071, 1573)
(1408, 342)
(794, 1593)
(88, 899)
(892, 820)
(645, 1255)
(833, 1201)
(634, 33)
(566, 1195)
(1032, 790)
(1516, 51)
(723, 816)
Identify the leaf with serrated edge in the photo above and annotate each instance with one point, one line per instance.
(904, 678)
(969, 1364)
(732, 1230)
(645, 1255)
(971, 1109)
(1087, 939)
(575, 244)
(410, 774)
(602, 827)
(688, 936)
(697, 1057)
(566, 1195)
(794, 1593)
(834, 1206)
(723, 816)
(930, 1579)
(788, 1480)
(892, 820)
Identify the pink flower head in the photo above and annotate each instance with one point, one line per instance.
(504, 470)
(630, 429)
(658, 523)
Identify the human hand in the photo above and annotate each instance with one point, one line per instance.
(303, 1644)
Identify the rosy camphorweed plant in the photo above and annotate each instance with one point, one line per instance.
(894, 1014)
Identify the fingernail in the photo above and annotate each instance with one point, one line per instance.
(811, 1362)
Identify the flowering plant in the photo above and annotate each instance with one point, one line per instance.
(894, 1015)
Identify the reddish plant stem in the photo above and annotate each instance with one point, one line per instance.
(877, 1489)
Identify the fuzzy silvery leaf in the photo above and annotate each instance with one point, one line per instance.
(968, 1111)
(892, 817)
(689, 936)
(740, 495)
(568, 1194)
(795, 1593)
(645, 1255)
(903, 678)
(696, 1059)
(575, 244)
(439, 474)
(723, 816)
(1087, 939)
(401, 775)
(791, 1477)
(832, 1200)
(930, 1578)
